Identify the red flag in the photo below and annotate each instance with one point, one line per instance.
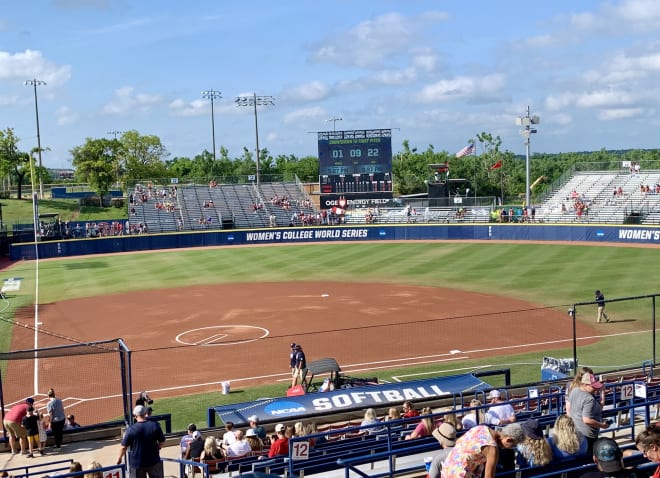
(497, 165)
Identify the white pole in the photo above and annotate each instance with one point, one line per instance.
(35, 213)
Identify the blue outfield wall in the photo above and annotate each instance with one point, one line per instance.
(402, 232)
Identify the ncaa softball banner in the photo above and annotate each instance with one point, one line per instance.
(344, 400)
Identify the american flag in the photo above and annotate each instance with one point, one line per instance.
(469, 149)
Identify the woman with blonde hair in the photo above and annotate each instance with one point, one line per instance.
(425, 426)
(535, 449)
(371, 420)
(94, 469)
(253, 440)
(565, 440)
(211, 451)
(393, 414)
(575, 383)
(473, 417)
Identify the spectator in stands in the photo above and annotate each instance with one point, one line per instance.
(575, 383)
(565, 440)
(55, 409)
(409, 410)
(75, 467)
(314, 430)
(229, 436)
(71, 422)
(187, 438)
(476, 453)
(240, 447)
(256, 444)
(609, 460)
(371, 420)
(535, 449)
(211, 452)
(144, 438)
(280, 443)
(586, 410)
(195, 446)
(446, 436)
(31, 424)
(256, 428)
(499, 413)
(648, 442)
(425, 426)
(473, 417)
(12, 423)
(94, 469)
(393, 414)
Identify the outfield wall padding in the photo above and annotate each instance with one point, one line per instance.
(403, 232)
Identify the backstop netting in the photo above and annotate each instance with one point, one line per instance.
(92, 379)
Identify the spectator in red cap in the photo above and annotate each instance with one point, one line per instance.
(586, 411)
(12, 422)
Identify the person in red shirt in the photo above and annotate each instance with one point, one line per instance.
(409, 410)
(280, 446)
(12, 422)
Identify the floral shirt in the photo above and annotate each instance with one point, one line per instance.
(466, 459)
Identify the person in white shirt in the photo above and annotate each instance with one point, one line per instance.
(500, 413)
(240, 447)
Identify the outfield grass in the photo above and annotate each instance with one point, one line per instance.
(549, 274)
(19, 211)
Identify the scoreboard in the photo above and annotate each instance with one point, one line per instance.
(357, 161)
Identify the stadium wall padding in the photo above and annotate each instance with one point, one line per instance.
(375, 232)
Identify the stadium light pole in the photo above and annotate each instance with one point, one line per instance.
(212, 95)
(116, 133)
(527, 122)
(334, 120)
(34, 83)
(255, 101)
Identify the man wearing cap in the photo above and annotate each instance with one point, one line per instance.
(256, 428)
(143, 439)
(195, 447)
(292, 358)
(12, 422)
(280, 446)
(300, 366)
(600, 305)
(446, 436)
(586, 411)
(609, 460)
(500, 413)
(187, 438)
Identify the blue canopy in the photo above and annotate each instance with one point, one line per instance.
(350, 399)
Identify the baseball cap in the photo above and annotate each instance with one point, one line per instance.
(532, 429)
(608, 454)
(494, 394)
(445, 434)
(250, 433)
(139, 411)
(589, 379)
(279, 427)
(196, 435)
(253, 418)
(29, 400)
(293, 344)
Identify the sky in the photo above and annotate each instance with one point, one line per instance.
(435, 72)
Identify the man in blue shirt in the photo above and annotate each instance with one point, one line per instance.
(143, 439)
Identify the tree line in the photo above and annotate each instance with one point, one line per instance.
(491, 171)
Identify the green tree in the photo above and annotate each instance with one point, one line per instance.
(143, 156)
(12, 161)
(95, 163)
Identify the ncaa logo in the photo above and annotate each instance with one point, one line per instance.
(284, 408)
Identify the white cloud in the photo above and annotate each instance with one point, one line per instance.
(370, 43)
(310, 91)
(619, 113)
(126, 101)
(65, 116)
(31, 64)
(461, 87)
(179, 107)
(305, 114)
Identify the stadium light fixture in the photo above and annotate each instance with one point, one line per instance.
(212, 95)
(34, 82)
(255, 101)
(334, 120)
(526, 122)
